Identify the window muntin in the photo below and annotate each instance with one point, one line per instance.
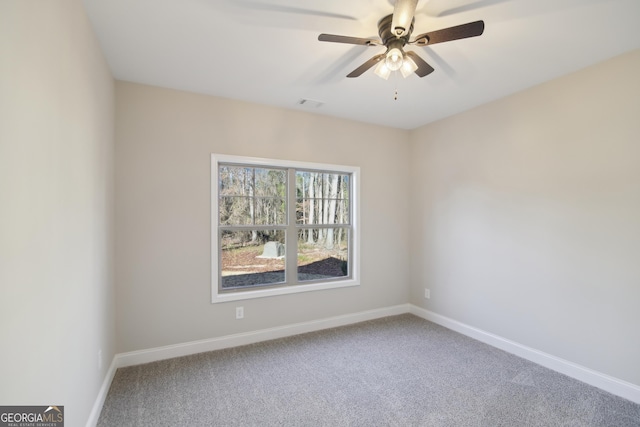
(282, 227)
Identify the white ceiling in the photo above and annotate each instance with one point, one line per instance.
(267, 51)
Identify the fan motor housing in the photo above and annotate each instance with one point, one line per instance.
(384, 30)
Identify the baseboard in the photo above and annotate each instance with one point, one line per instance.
(102, 395)
(201, 346)
(168, 352)
(610, 384)
(607, 383)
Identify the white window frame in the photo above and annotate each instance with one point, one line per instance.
(286, 288)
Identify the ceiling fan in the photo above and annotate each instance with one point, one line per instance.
(395, 32)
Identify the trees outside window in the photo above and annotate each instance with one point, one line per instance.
(282, 227)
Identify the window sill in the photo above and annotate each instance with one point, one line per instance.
(284, 290)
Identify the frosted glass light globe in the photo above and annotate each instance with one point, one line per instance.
(394, 59)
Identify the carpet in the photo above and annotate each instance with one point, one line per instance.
(396, 371)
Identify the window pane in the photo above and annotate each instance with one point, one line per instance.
(252, 196)
(323, 253)
(322, 198)
(235, 210)
(252, 258)
(235, 180)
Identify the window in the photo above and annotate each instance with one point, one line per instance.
(282, 227)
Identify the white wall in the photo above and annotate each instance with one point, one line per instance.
(526, 217)
(163, 143)
(56, 207)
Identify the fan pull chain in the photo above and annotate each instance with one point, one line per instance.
(395, 79)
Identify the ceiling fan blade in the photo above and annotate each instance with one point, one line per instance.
(403, 13)
(472, 29)
(348, 40)
(423, 67)
(364, 67)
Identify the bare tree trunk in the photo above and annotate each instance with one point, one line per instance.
(325, 205)
(312, 206)
(252, 213)
(341, 213)
(303, 206)
(331, 214)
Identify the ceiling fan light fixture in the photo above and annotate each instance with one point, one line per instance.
(394, 59)
(382, 70)
(390, 29)
(408, 67)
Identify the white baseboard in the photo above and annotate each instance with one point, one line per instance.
(607, 383)
(201, 346)
(122, 360)
(102, 395)
(612, 385)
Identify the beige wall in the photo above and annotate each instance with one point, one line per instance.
(526, 215)
(523, 215)
(56, 207)
(164, 140)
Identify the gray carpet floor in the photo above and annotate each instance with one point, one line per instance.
(396, 371)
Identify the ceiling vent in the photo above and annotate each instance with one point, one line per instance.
(310, 103)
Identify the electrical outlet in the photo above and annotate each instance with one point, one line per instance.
(239, 312)
(427, 293)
